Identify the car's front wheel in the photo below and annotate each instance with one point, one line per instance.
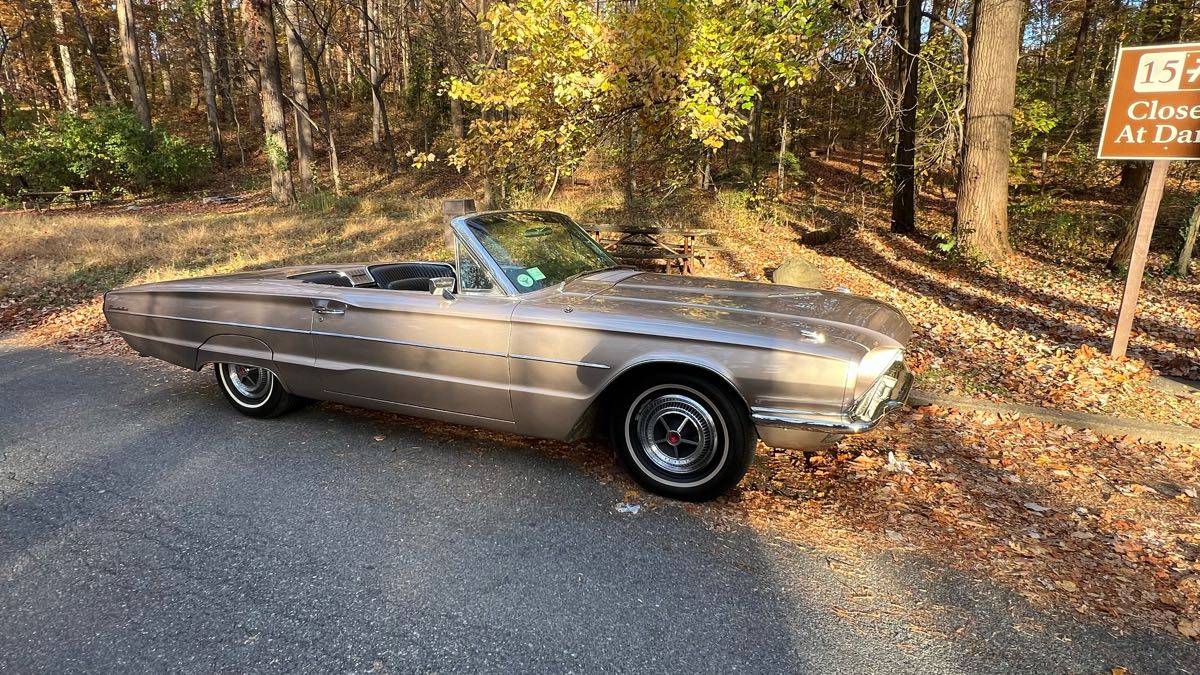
(682, 437)
(254, 391)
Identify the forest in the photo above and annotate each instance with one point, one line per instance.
(960, 96)
(938, 155)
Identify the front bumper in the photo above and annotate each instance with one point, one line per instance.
(791, 428)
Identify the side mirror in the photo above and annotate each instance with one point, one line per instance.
(442, 285)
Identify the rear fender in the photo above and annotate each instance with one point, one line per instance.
(240, 349)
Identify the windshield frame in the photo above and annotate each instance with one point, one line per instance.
(463, 226)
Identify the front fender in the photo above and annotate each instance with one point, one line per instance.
(701, 361)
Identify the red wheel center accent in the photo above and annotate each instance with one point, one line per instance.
(673, 438)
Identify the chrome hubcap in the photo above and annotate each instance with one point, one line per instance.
(677, 433)
(249, 381)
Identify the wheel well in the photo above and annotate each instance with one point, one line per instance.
(600, 409)
(217, 367)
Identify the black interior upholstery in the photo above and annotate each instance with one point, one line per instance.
(409, 276)
(414, 284)
(406, 276)
(326, 278)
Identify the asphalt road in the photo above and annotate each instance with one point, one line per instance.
(146, 526)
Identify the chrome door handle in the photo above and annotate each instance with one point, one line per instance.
(334, 311)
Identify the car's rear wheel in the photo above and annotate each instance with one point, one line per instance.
(682, 437)
(254, 391)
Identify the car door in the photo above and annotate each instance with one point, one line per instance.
(416, 352)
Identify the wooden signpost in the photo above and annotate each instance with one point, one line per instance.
(1153, 114)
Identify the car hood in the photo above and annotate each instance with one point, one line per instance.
(793, 314)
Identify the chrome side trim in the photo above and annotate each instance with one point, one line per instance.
(417, 408)
(208, 321)
(829, 424)
(565, 362)
(406, 343)
(235, 324)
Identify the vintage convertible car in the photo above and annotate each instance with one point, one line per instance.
(533, 329)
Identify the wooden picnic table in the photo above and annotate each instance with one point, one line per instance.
(677, 247)
(47, 199)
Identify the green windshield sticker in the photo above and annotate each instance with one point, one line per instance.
(525, 280)
(535, 273)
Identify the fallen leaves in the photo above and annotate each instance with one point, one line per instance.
(1020, 502)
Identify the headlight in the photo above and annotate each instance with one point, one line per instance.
(874, 364)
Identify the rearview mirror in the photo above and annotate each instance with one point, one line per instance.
(442, 285)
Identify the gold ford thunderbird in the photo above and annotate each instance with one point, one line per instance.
(534, 329)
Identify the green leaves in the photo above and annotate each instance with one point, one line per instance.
(571, 79)
(109, 150)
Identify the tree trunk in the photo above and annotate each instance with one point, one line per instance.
(101, 77)
(1085, 24)
(372, 30)
(232, 48)
(784, 137)
(756, 138)
(203, 54)
(381, 131)
(904, 167)
(260, 47)
(1133, 176)
(162, 42)
(1184, 261)
(481, 35)
(981, 218)
(628, 187)
(326, 96)
(304, 143)
(164, 68)
(249, 73)
(221, 62)
(1110, 37)
(64, 55)
(328, 100)
(457, 123)
(482, 47)
(150, 75)
(936, 28)
(127, 30)
(406, 46)
(335, 171)
(1119, 257)
(58, 83)
(327, 57)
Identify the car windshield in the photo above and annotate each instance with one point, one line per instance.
(536, 250)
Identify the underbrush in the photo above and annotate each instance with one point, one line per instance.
(1046, 219)
(108, 150)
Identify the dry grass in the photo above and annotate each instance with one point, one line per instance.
(55, 268)
(89, 248)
